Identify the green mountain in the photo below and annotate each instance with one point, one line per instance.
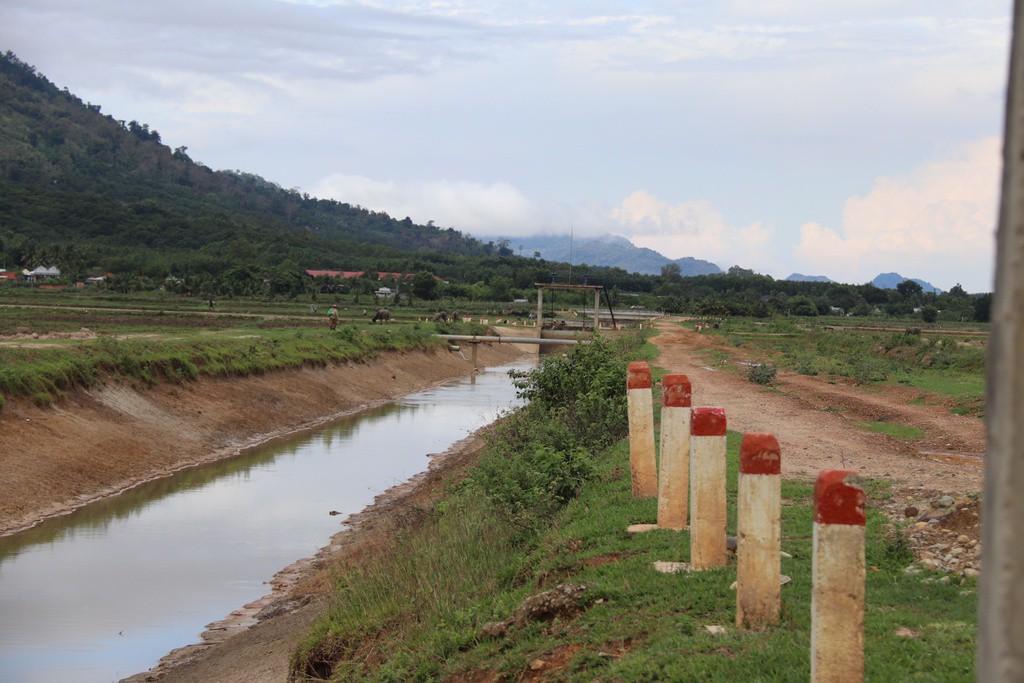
(114, 195)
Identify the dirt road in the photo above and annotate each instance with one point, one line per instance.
(814, 420)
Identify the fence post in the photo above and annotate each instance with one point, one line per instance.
(758, 532)
(707, 488)
(837, 567)
(674, 464)
(641, 430)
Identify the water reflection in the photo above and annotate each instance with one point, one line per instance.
(104, 592)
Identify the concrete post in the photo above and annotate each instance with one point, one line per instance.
(837, 569)
(540, 309)
(641, 430)
(759, 532)
(674, 464)
(1001, 599)
(597, 310)
(473, 346)
(707, 488)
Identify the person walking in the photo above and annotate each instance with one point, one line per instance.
(332, 317)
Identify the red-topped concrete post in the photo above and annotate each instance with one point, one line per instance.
(837, 597)
(758, 532)
(707, 488)
(674, 465)
(642, 462)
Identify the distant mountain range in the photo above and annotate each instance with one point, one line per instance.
(607, 250)
(797, 277)
(890, 280)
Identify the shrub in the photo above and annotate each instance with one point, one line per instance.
(762, 373)
(528, 488)
(584, 390)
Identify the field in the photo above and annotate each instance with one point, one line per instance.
(944, 363)
(53, 342)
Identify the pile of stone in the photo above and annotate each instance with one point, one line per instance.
(943, 529)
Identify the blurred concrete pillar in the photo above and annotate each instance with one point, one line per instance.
(1001, 604)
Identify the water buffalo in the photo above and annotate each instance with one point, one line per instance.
(382, 314)
(441, 317)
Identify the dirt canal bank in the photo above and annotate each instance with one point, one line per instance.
(372, 437)
(103, 441)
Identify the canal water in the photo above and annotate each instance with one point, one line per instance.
(103, 593)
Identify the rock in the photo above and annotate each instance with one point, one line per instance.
(944, 579)
(974, 573)
(944, 502)
(564, 600)
(904, 632)
(963, 539)
(537, 664)
(912, 570)
(715, 629)
(957, 551)
(911, 511)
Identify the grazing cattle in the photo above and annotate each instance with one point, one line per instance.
(382, 314)
(441, 317)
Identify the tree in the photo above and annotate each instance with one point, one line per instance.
(983, 308)
(802, 305)
(929, 314)
(424, 285)
(671, 272)
(909, 288)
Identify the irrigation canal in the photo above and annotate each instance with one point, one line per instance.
(106, 591)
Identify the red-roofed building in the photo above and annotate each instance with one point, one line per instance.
(9, 275)
(343, 274)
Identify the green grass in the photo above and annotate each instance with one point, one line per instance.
(414, 615)
(893, 429)
(45, 372)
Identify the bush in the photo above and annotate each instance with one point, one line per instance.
(762, 373)
(528, 488)
(585, 391)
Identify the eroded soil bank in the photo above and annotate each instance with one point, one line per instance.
(102, 441)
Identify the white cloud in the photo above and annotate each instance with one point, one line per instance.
(489, 209)
(694, 228)
(936, 223)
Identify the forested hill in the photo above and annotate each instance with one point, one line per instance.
(70, 174)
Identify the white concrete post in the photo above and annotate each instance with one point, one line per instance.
(759, 532)
(641, 430)
(837, 568)
(540, 308)
(707, 488)
(1001, 598)
(597, 310)
(674, 463)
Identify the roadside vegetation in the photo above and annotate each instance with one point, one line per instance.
(548, 506)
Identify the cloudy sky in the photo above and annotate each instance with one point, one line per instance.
(844, 138)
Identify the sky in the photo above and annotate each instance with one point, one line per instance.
(843, 138)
